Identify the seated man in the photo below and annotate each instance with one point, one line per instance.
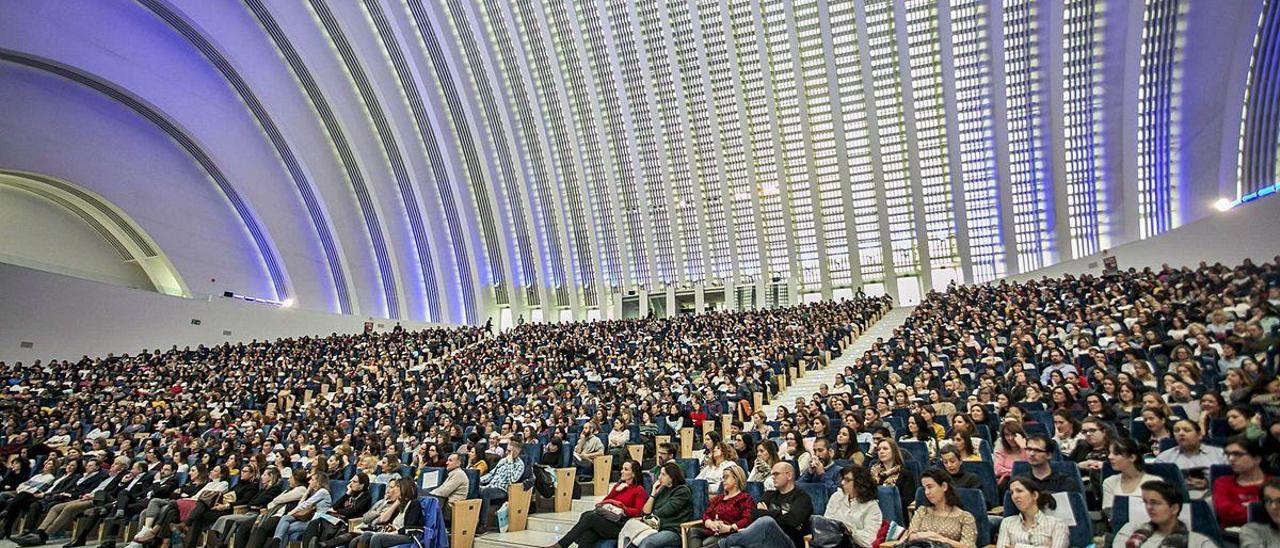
(664, 453)
(126, 498)
(588, 447)
(1192, 457)
(495, 484)
(822, 469)
(781, 519)
(455, 485)
(388, 470)
(1039, 449)
(95, 485)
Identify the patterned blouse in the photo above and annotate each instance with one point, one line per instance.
(1046, 531)
(959, 526)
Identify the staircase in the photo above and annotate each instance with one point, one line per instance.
(807, 386)
(544, 529)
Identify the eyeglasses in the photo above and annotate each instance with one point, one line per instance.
(1089, 431)
(1235, 454)
(1036, 450)
(1271, 503)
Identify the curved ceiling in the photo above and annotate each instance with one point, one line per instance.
(441, 159)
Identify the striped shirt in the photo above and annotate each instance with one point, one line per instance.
(1047, 531)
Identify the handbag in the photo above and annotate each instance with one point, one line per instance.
(829, 533)
(635, 531)
(613, 516)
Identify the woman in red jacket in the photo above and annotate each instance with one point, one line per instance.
(1232, 494)
(625, 501)
(729, 510)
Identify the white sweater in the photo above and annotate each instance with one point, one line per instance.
(862, 518)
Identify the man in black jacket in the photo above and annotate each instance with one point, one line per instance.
(95, 484)
(782, 517)
(125, 494)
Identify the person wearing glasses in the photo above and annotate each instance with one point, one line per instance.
(1039, 449)
(1164, 502)
(781, 518)
(1259, 535)
(1232, 494)
(855, 506)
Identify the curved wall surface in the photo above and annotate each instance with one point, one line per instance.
(451, 161)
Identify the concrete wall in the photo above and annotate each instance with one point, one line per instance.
(31, 223)
(65, 317)
(1251, 230)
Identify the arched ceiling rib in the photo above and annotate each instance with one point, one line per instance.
(556, 154)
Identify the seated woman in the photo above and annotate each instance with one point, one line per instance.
(855, 506)
(795, 452)
(625, 500)
(918, 429)
(846, 446)
(889, 470)
(766, 457)
(210, 486)
(672, 503)
(1009, 449)
(941, 520)
(226, 525)
(349, 507)
(1126, 460)
(721, 457)
(1268, 533)
(394, 526)
(1031, 526)
(964, 445)
(315, 503)
(1164, 502)
(1157, 423)
(619, 437)
(1232, 494)
(728, 510)
(1066, 429)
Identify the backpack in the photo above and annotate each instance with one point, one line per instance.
(544, 481)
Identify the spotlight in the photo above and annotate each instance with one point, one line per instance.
(287, 303)
(1223, 204)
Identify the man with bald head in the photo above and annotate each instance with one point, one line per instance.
(782, 517)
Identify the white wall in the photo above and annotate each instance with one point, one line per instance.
(1251, 230)
(31, 223)
(67, 317)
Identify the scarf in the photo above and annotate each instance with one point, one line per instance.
(1176, 539)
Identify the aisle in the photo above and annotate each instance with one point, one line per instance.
(808, 385)
(544, 529)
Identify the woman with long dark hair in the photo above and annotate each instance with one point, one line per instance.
(941, 519)
(1031, 526)
(855, 506)
(625, 500)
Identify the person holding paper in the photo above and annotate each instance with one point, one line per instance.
(1031, 526)
(1164, 502)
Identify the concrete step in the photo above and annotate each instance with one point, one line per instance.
(522, 539)
(553, 523)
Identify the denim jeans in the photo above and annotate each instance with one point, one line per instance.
(762, 533)
(661, 539)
